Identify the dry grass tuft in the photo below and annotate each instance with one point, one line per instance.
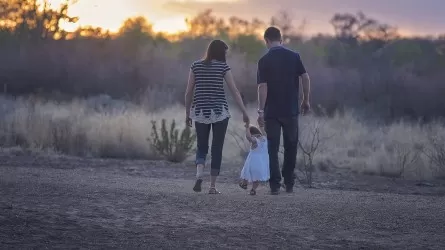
(84, 128)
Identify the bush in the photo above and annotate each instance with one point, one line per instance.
(168, 143)
(435, 152)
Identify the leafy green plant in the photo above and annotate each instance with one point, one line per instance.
(169, 144)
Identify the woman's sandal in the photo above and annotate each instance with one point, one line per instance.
(243, 185)
(213, 190)
(252, 192)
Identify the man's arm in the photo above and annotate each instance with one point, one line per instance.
(262, 95)
(306, 84)
(305, 80)
(262, 86)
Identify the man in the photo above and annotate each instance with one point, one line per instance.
(278, 78)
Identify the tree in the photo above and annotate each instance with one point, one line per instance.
(89, 32)
(136, 25)
(135, 32)
(35, 19)
(283, 21)
(136, 28)
(238, 26)
(205, 24)
(256, 27)
(350, 28)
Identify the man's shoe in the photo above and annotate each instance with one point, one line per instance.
(289, 189)
(274, 191)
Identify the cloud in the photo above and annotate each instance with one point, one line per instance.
(418, 16)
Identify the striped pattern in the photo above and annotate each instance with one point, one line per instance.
(209, 100)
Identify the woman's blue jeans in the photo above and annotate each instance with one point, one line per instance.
(219, 130)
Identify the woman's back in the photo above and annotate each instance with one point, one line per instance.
(209, 100)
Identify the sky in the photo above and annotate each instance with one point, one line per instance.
(410, 16)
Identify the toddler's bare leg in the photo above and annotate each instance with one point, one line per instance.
(255, 185)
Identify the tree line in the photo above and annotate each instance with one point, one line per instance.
(365, 66)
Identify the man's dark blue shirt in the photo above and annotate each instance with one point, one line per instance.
(280, 68)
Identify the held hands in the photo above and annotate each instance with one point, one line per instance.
(305, 107)
(246, 119)
(260, 119)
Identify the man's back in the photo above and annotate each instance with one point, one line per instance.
(279, 73)
(280, 68)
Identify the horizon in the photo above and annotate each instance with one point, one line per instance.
(168, 16)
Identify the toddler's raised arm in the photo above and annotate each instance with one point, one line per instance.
(249, 136)
(263, 131)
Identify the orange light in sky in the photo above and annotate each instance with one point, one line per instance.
(170, 25)
(110, 14)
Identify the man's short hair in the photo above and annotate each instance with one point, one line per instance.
(272, 34)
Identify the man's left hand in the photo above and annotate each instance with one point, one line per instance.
(260, 119)
(305, 107)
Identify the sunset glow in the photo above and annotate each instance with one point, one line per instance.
(100, 13)
(110, 14)
(169, 15)
(170, 25)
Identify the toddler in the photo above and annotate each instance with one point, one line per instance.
(256, 167)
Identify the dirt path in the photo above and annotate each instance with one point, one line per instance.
(98, 208)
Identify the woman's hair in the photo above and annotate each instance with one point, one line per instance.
(255, 131)
(216, 51)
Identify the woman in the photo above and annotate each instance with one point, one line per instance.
(206, 105)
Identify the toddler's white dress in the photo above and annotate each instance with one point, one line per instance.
(256, 167)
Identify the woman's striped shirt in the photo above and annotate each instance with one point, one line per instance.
(209, 99)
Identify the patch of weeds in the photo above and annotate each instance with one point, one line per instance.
(170, 143)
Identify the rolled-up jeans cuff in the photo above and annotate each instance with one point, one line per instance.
(200, 161)
(214, 172)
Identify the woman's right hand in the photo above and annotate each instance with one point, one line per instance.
(246, 119)
(188, 120)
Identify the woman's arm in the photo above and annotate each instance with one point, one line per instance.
(234, 90)
(249, 137)
(189, 92)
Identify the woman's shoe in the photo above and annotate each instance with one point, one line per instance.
(197, 188)
(213, 190)
(274, 191)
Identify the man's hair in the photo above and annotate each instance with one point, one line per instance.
(272, 34)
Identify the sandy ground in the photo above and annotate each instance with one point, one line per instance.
(69, 203)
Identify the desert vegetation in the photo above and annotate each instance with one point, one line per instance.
(102, 127)
(377, 97)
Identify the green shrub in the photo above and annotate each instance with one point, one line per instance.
(168, 143)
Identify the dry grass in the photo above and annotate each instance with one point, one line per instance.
(87, 128)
